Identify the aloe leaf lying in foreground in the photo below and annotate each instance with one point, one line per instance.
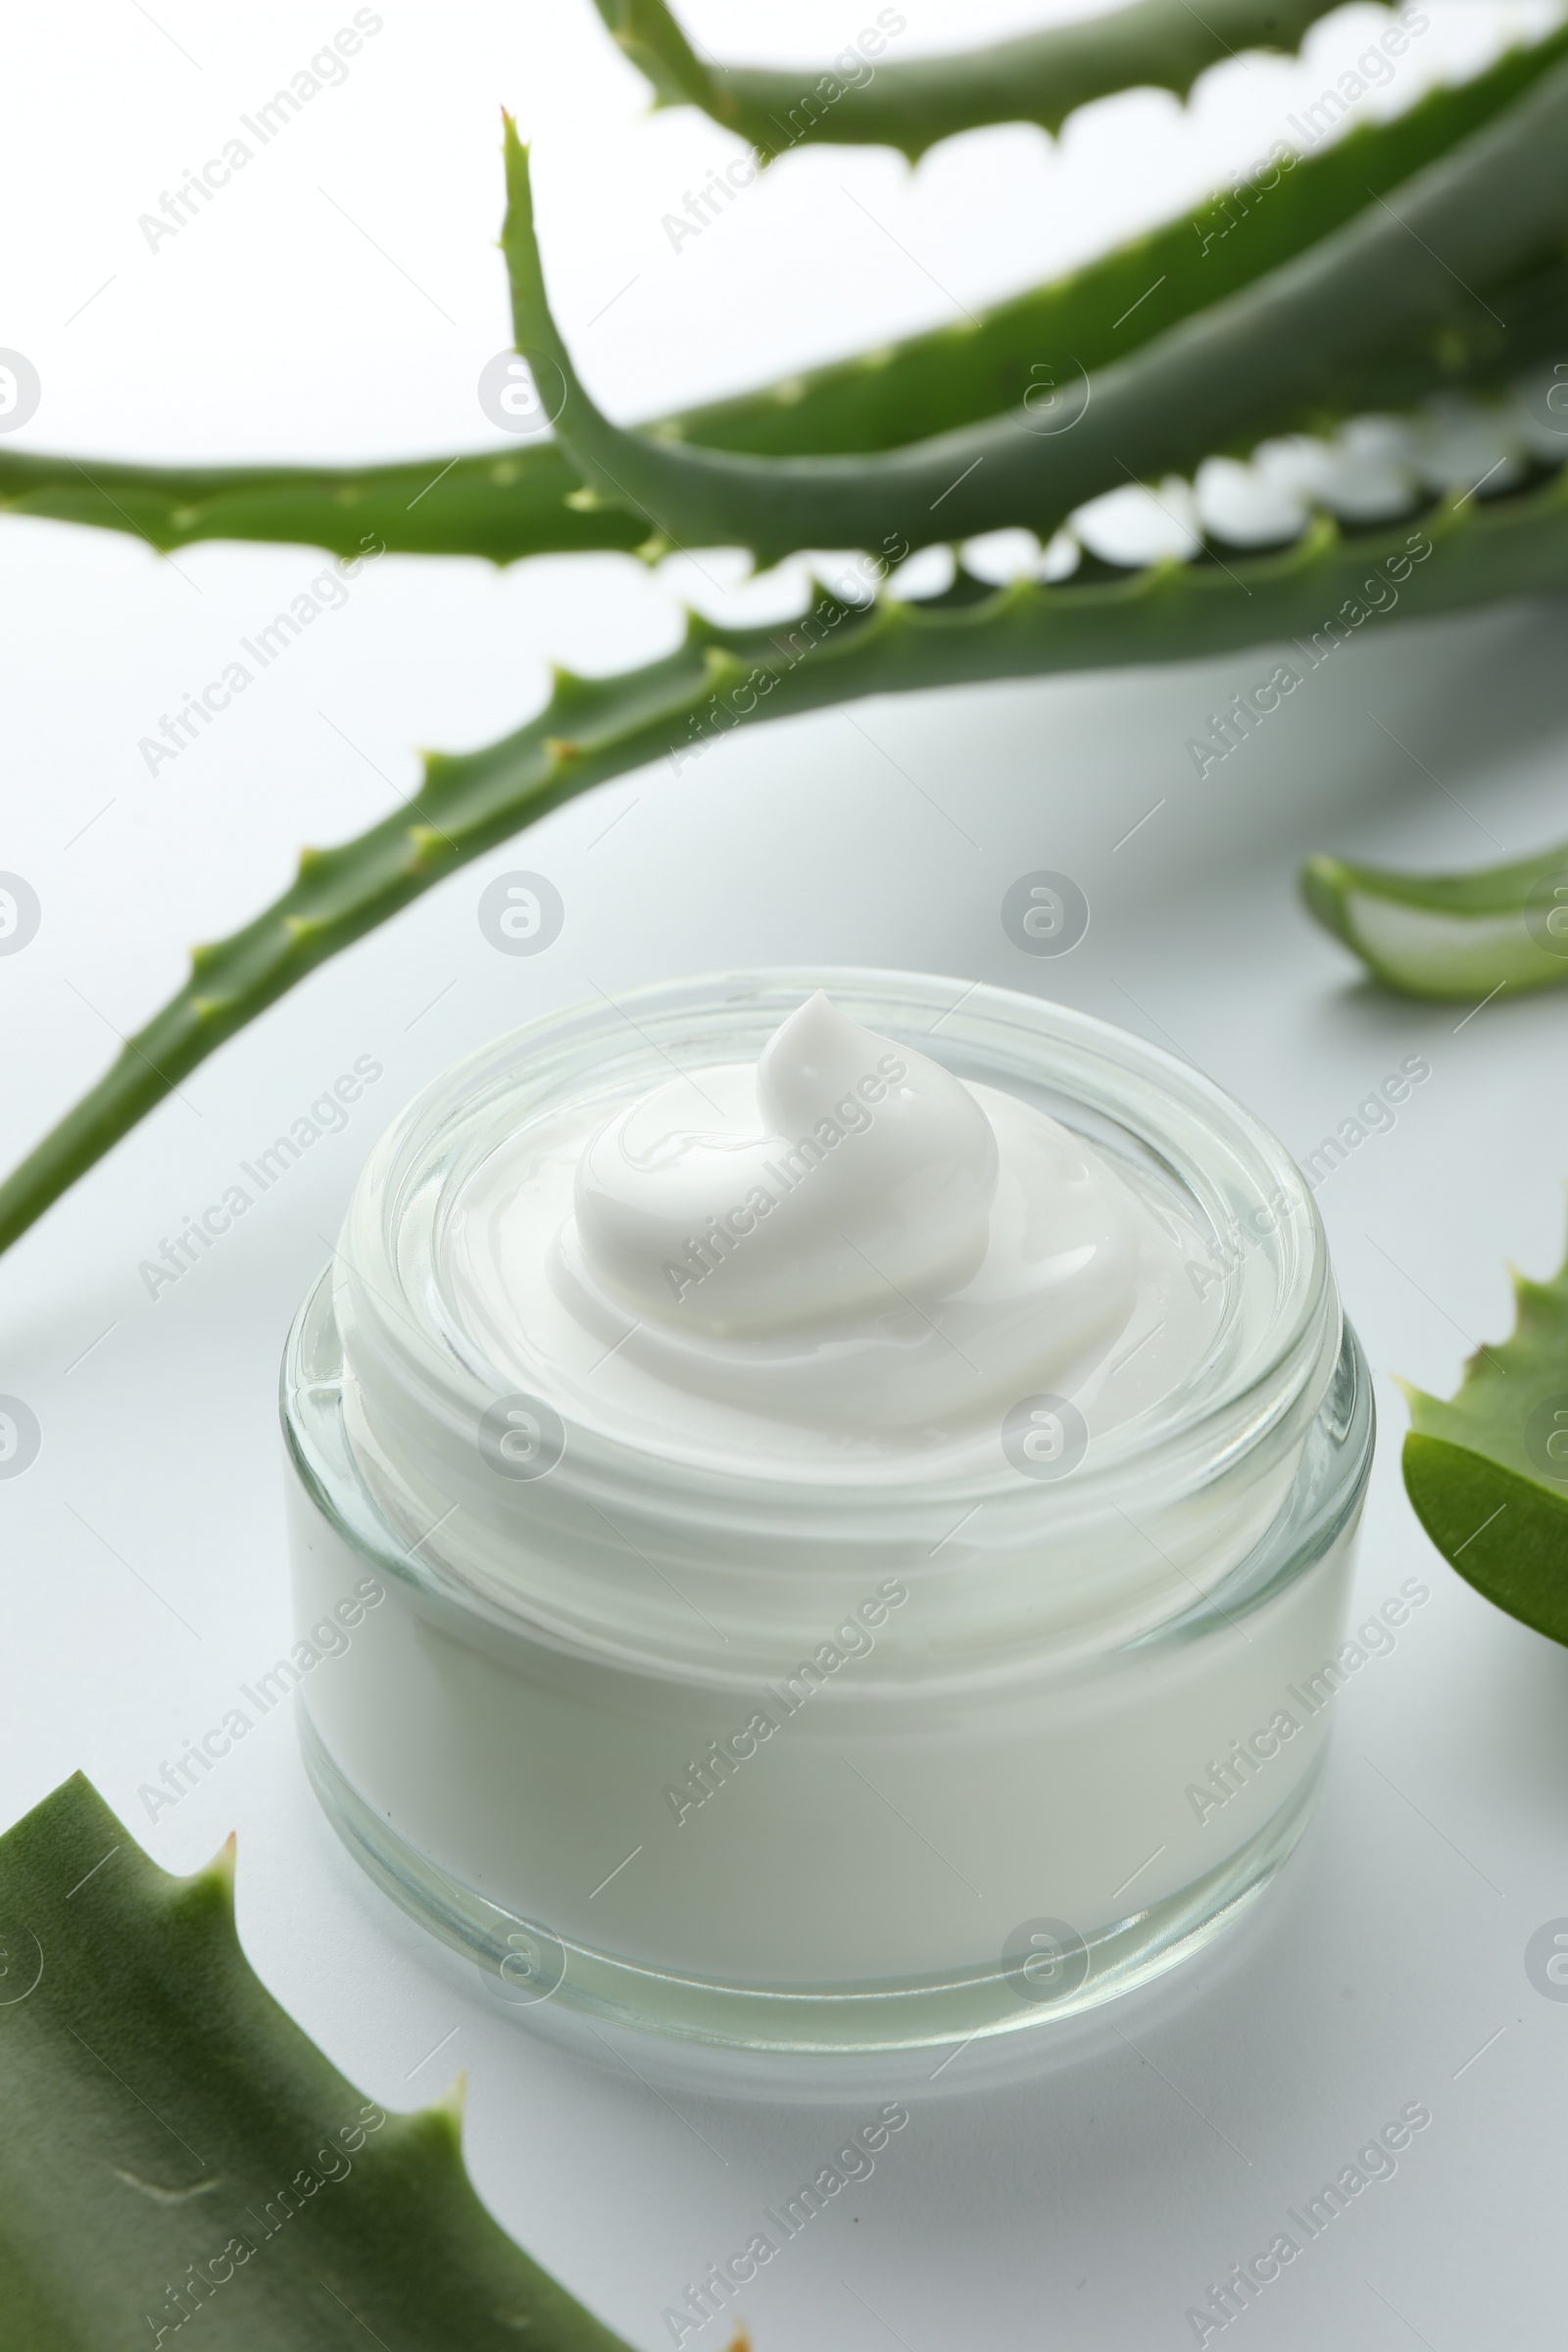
(175, 2150)
(513, 503)
(1463, 554)
(1488, 1471)
(1460, 936)
(912, 103)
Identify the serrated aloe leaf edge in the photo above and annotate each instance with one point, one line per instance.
(913, 103)
(513, 503)
(175, 2149)
(177, 2152)
(1487, 1471)
(1463, 553)
(1260, 362)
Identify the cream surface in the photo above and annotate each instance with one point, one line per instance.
(841, 1251)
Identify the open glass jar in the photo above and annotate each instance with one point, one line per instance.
(859, 1758)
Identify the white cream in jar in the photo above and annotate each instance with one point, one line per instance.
(838, 1253)
(845, 1462)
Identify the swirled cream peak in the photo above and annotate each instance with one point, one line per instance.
(840, 1171)
(840, 1252)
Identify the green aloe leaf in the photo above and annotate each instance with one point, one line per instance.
(1488, 1471)
(1464, 554)
(502, 506)
(515, 504)
(177, 2152)
(1396, 280)
(978, 368)
(910, 103)
(1460, 936)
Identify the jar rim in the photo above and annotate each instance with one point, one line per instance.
(1254, 1200)
(649, 1556)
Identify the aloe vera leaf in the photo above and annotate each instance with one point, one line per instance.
(513, 503)
(1461, 935)
(979, 367)
(910, 103)
(500, 506)
(165, 2119)
(1262, 362)
(593, 729)
(1488, 1471)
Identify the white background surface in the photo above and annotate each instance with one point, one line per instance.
(142, 1575)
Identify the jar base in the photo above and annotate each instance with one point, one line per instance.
(528, 1967)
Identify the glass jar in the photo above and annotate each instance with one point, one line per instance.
(837, 1761)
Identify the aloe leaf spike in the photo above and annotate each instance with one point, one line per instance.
(177, 2154)
(513, 503)
(910, 103)
(1261, 363)
(1487, 1470)
(1464, 554)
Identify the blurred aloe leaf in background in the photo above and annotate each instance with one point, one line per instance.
(1399, 263)
(1464, 936)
